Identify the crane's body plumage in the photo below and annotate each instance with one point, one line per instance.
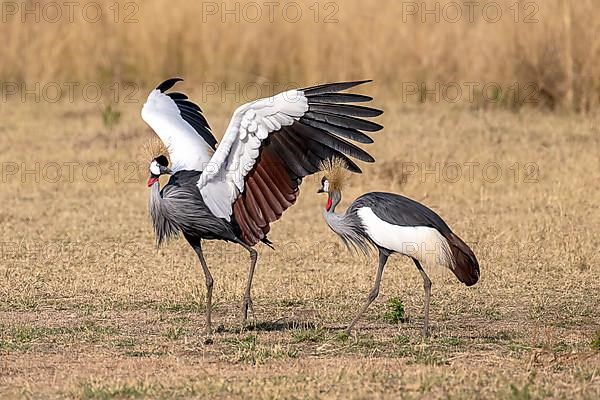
(234, 192)
(397, 224)
(392, 223)
(349, 227)
(180, 208)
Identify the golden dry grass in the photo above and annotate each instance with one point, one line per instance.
(545, 52)
(90, 309)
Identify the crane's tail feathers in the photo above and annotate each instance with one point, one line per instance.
(466, 266)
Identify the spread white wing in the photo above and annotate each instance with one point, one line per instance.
(224, 178)
(181, 126)
(272, 143)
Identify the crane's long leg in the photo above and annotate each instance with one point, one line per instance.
(383, 256)
(196, 245)
(247, 302)
(427, 287)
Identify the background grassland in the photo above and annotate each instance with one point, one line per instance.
(89, 308)
(552, 44)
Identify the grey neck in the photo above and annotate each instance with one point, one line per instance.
(155, 195)
(347, 225)
(336, 197)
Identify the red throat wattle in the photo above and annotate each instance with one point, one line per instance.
(328, 205)
(152, 180)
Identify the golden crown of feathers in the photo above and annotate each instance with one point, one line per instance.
(335, 172)
(152, 149)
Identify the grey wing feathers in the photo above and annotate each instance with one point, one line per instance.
(327, 129)
(402, 211)
(328, 119)
(181, 208)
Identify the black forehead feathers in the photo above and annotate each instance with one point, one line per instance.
(162, 160)
(323, 180)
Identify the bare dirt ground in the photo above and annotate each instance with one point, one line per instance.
(89, 308)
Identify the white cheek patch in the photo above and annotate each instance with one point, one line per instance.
(154, 169)
(326, 186)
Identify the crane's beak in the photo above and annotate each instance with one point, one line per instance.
(320, 190)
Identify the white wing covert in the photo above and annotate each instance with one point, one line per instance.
(180, 125)
(223, 180)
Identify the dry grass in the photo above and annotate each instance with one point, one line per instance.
(551, 44)
(90, 309)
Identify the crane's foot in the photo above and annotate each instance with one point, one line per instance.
(208, 335)
(247, 305)
(425, 332)
(350, 327)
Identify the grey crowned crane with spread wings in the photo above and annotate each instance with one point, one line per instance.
(233, 192)
(395, 224)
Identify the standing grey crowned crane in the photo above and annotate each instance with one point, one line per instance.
(233, 192)
(395, 224)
